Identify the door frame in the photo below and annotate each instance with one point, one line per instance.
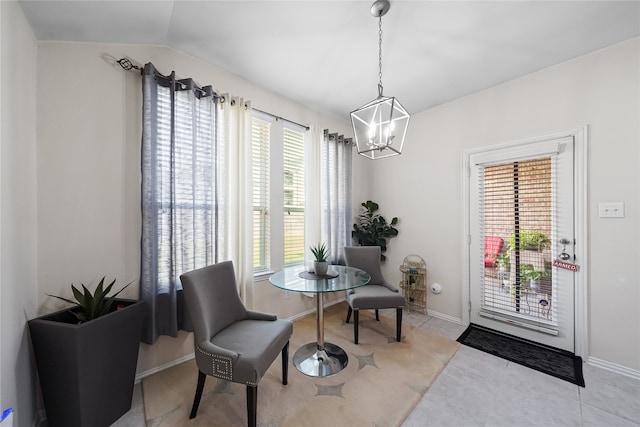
(581, 326)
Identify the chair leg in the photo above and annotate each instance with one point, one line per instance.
(348, 314)
(196, 400)
(252, 405)
(285, 364)
(398, 324)
(356, 319)
(377, 315)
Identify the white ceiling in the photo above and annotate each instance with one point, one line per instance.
(324, 54)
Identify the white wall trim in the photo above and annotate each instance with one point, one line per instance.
(446, 317)
(168, 365)
(465, 301)
(613, 367)
(313, 310)
(581, 316)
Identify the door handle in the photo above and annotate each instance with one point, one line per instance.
(564, 256)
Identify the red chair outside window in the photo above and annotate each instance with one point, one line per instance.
(492, 247)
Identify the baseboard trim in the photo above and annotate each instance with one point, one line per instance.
(168, 365)
(313, 310)
(443, 316)
(613, 367)
(593, 361)
(303, 314)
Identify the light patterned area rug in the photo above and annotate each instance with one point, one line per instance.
(381, 384)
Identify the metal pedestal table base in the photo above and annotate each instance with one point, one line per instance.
(316, 361)
(320, 358)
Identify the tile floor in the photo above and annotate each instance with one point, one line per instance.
(478, 389)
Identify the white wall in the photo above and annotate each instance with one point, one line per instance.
(88, 152)
(423, 186)
(18, 236)
(89, 132)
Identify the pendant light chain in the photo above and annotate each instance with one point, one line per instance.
(380, 55)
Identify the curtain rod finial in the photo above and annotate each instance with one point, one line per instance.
(127, 65)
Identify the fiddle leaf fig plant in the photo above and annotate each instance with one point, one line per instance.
(91, 306)
(372, 229)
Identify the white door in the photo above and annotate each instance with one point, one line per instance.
(521, 218)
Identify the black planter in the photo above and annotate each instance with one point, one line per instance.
(87, 371)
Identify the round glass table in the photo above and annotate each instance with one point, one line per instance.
(320, 358)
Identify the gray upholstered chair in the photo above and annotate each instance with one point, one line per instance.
(231, 342)
(375, 295)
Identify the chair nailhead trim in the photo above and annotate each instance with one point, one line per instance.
(221, 366)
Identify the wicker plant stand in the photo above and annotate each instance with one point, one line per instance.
(413, 284)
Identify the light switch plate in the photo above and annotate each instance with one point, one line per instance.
(611, 210)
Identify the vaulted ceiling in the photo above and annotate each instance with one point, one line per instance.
(324, 54)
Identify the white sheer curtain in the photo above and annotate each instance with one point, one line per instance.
(328, 167)
(337, 154)
(313, 190)
(235, 133)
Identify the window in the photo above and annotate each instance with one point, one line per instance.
(185, 185)
(261, 170)
(293, 149)
(517, 204)
(182, 189)
(278, 193)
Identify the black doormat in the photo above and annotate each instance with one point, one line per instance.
(558, 363)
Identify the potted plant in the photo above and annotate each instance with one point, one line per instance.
(531, 244)
(529, 240)
(320, 264)
(86, 357)
(531, 276)
(372, 229)
(503, 261)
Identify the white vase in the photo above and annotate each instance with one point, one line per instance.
(533, 284)
(320, 268)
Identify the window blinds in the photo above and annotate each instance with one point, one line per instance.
(184, 174)
(517, 207)
(261, 170)
(293, 150)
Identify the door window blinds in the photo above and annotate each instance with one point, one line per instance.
(517, 226)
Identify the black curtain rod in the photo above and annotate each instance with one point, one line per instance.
(126, 64)
(280, 118)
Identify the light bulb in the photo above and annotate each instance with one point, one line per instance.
(372, 130)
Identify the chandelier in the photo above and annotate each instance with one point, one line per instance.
(380, 126)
